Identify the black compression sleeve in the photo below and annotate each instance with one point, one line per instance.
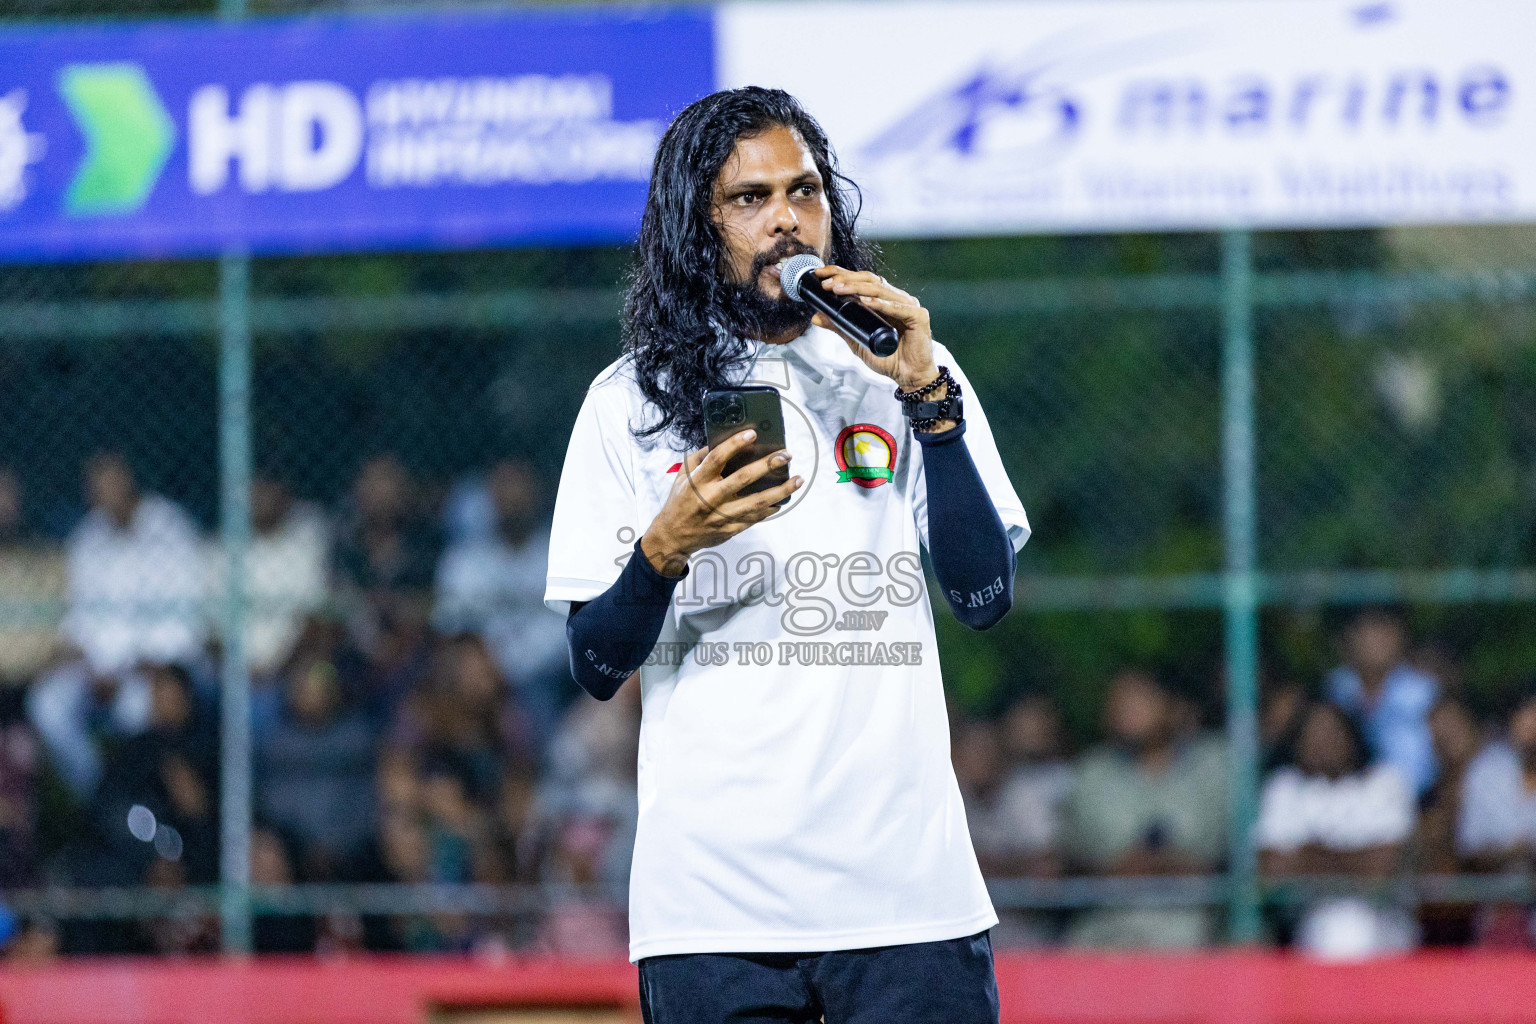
(611, 635)
(972, 554)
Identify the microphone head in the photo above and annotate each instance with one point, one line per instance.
(794, 269)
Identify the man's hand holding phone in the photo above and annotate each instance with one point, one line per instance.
(705, 506)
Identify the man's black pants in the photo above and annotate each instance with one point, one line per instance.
(948, 982)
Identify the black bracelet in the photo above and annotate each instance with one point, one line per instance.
(930, 387)
(923, 415)
(926, 415)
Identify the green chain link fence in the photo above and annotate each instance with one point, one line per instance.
(1394, 440)
(1174, 410)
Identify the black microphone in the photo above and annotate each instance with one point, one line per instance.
(850, 316)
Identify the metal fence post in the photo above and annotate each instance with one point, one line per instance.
(1239, 599)
(235, 533)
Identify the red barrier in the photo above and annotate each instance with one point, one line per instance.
(1266, 988)
(1055, 988)
(300, 990)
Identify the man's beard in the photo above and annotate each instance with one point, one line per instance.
(750, 313)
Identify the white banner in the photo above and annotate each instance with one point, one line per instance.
(1010, 117)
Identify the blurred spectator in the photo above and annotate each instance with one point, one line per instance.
(1147, 802)
(578, 924)
(1280, 706)
(398, 782)
(25, 941)
(20, 781)
(455, 824)
(430, 831)
(315, 771)
(1037, 785)
(404, 847)
(977, 753)
(468, 717)
(1457, 740)
(286, 573)
(1013, 811)
(271, 864)
(135, 591)
(135, 575)
(407, 855)
(386, 549)
(1496, 830)
(592, 768)
(1377, 684)
(182, 934)
(321, 638)
(78, 713)
(1015, 784)
(1190, 697)
(1329, 811)
(508, 858)
(31, 590)
(399, 663)
(493, 585)
(584, 823)
(159, 790)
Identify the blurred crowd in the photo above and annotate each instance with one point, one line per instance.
(413, 715)
(1379, 772)
(414, 721)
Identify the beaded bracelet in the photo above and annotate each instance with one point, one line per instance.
(931, 386)
(911, 399)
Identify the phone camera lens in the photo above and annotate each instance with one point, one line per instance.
(726, 410)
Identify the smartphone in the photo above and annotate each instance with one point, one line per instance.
(729, 411)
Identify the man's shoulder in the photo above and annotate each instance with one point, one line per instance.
(158, 513)
(474, 556)
(1386, 783)
(93, 528)
(1287, 780)
(1207, 750)
(1102, 765)
(1413, 688)
(614, 394)
(615, 382)
(1496, 760)
(620, 408)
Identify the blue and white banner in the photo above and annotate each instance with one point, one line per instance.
(523, 127)
(979, 117)
(428, 130)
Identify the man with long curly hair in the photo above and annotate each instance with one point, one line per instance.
(801, 852)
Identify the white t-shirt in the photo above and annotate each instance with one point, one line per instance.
(795, 786)
(1497, 810)
(136, 593)
(1371, 808)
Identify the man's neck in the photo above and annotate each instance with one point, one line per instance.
(1373, 682)
(123, 519)
(781, 339)
(784, 337)
(1158, 758)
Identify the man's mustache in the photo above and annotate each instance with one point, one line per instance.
(782, 250)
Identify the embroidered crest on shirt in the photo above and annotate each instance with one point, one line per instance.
(865, 453)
